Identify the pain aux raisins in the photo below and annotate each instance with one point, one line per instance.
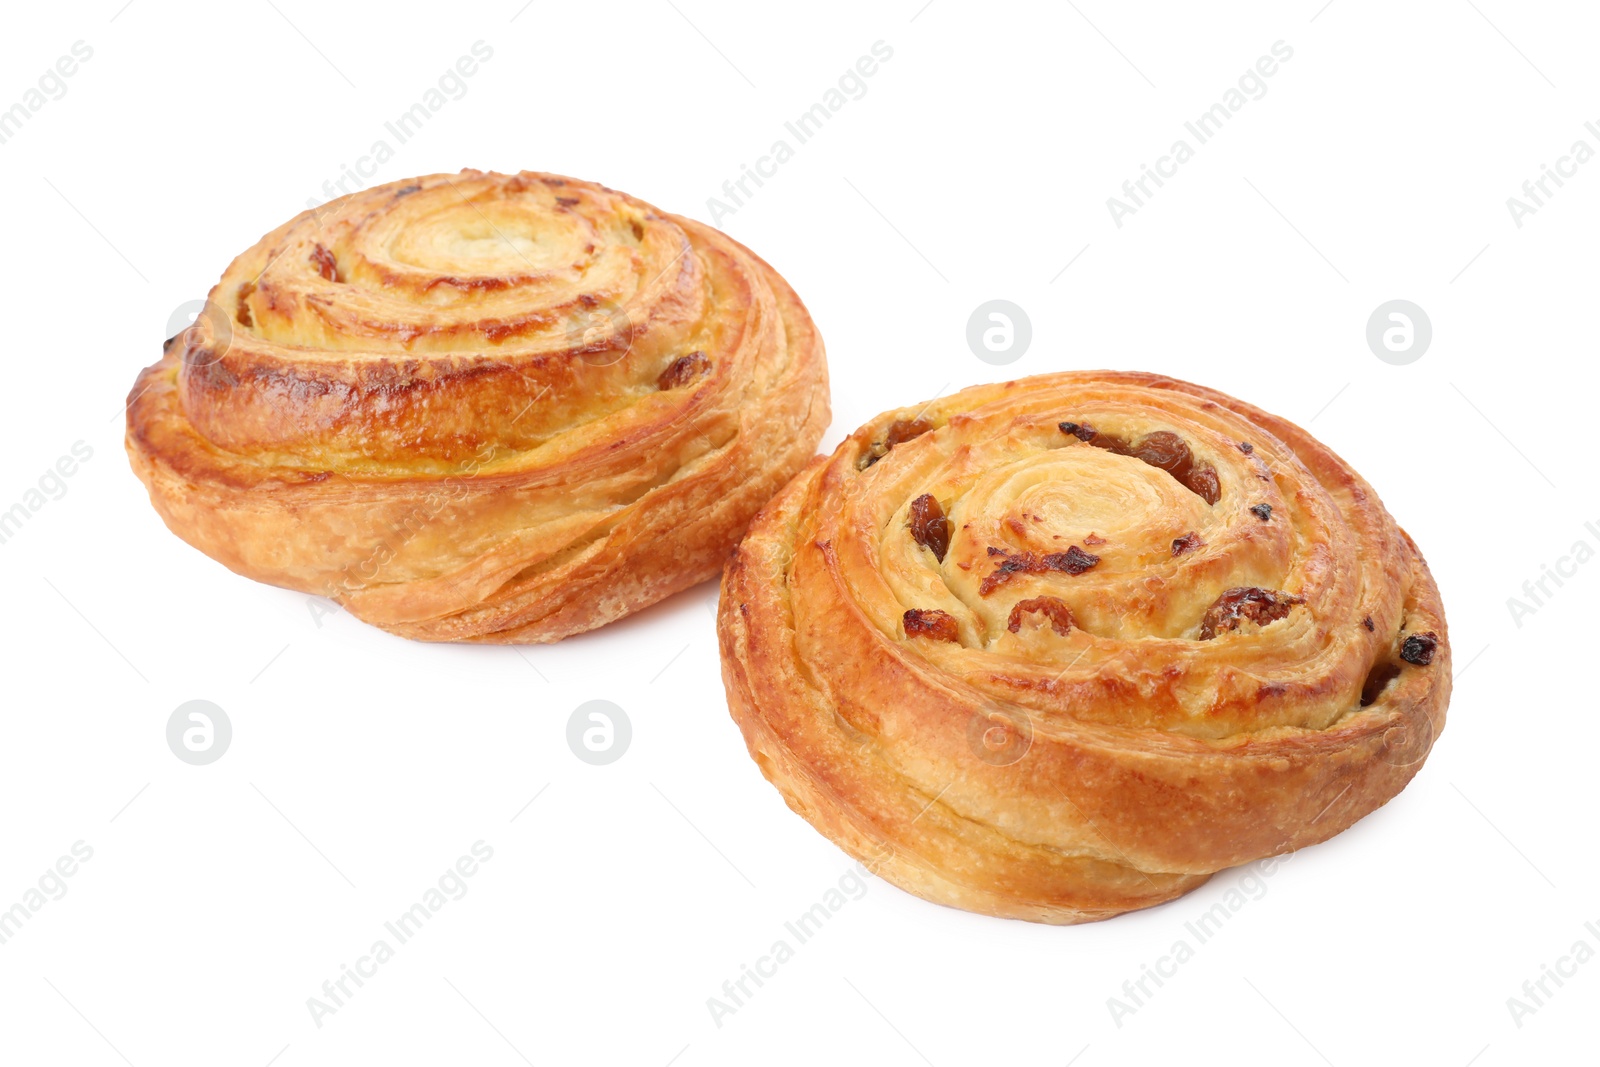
(929, 527)
(1073, 561)
(900, 431)
(1052, 608)
(1162, 449)
(1419, 648)
(1246, 604)
(931, 623)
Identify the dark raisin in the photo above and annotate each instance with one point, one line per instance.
(900, 431)
(1094, 539)
(683, 370)
(929, 527)
(1166, 450)
(1246, 447)
(1377, 679)
(931, 622)
(1262, 511)
(903, 430)
(1367, 622)
(1074, 561)
(1419, 648)
(1162, 449)
(1202, 481)
(638, 231)
(326, 265)
(1187, 543)
(1058, 613)
(566, 201)
(1245, 604)
(406, 190)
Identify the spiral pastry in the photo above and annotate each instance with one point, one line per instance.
(482, 407)
(1064, 647)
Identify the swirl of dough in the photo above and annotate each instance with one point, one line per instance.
(1064, 647)
(482, 407)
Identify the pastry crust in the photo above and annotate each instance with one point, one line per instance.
(1164, 605)
(482, 407)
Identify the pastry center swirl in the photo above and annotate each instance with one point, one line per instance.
(457, 320)
(1032, 544)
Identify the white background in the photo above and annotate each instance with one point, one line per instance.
(976, 166)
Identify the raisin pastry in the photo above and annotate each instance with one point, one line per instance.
(482, 407)
(1064, 647)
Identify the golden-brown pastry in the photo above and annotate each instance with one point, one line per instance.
(1064, 647)
(482, 407)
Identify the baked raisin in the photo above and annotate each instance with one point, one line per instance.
(326, 265)
(933, 623)
(929, 527)
(1202, 481)
(683, 370)
(1055, 610)
(900, 431)
(1166, 450)
(1074, 561)
(1004, 571)
(1419, 648)
(903, 430)
(1245, 604)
